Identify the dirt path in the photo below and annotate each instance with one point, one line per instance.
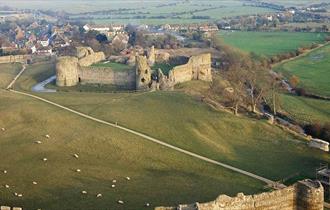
(17, 76)
(149, 138)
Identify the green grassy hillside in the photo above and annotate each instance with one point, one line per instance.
(8, 72)
(158, 175)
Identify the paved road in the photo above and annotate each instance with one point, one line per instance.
(40, 87)
(149, 138)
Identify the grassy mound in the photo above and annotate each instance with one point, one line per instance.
(8, 72)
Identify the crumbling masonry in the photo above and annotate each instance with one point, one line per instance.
(71, 71)
(304, 195)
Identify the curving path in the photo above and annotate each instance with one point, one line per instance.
(17, 76)
(149, 138)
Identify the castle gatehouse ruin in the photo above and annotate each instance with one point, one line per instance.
(79, 69)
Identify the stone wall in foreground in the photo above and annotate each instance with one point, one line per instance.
(304, 195)
(14, 58)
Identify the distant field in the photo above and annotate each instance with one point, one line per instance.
(312, 69)
(114, 66)
(270, 43)
(144, 11)
(306, 110)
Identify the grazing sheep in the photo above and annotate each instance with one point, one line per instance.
(38, 142)
(44, 159)
(113, 186)
(147, 204)
(3, 129)
(5, 171)
(83, 192)
(128, 178)
(121, 202)
(47, 136)
(99, 195)
(35, 183)
(20, 195)
(6, 186)
(114, 181)
(15, 194)
(78, 170)
(76, 156)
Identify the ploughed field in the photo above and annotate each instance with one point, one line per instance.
(270, 43)
(312, 69)
(157, 175)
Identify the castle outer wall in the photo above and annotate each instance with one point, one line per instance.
(304, 195)
(100, 75)
(14, 58)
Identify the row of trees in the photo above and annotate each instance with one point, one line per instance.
(248, 82)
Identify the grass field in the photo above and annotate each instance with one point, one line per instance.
(270, 43)
(165, 67)
(312, 69)
(7, 73)
(159, 176)
(306, 110)
(114, 66)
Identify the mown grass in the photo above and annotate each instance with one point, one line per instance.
(312, 70)
(158, 175)
(270, 43)
(306, 110)
(8, 72)
(165, 67)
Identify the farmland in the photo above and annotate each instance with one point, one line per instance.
(305, 110)
(270, 43)
(312, 70)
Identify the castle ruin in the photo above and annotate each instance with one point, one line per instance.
(72, 70)
(304, 195)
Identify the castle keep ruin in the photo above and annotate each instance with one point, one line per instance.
(304, 195)
(71, 71)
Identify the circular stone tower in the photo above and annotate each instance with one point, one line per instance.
(67, 71)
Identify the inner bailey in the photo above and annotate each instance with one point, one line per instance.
(304, 195)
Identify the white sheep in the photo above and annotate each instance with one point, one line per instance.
(4, 171)
(6, 186)
(83, 192)
(3, 129)
(114, 181)
(113, 186)
(44, 159)
(99, 195)
(78, 170)
(35, 183)
(121, 202)
(147, 204)
(76, 156)
(47, 136)
(128, 178)
(38, 142)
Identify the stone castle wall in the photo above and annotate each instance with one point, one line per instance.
(14, 58)
(197, 68)
(101, 75)
(304, 195)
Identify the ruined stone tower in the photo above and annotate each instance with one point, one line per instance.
(152, 56)
(67, 71)
(143, 73)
